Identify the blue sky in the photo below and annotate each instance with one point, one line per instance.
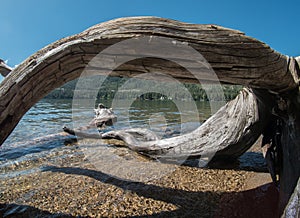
(28, 25)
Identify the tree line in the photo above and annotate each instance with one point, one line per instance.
(100, 87)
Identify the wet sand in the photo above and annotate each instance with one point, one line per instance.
(74, 187)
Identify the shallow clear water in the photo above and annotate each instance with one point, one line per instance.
(44, 118)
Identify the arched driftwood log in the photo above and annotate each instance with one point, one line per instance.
(235, 58)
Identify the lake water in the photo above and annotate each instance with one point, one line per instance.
(48, 117)
(38, 140)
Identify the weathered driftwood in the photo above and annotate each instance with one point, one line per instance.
(103, 117)
(219, 136)
(80, 133)
(4, 68)
(145, 134)
(235, 58)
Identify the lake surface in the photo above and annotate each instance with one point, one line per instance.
(50, 115)
(38, 140)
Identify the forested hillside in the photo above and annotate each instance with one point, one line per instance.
(132, 88)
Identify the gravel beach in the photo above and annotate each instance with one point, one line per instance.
(73, 187)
